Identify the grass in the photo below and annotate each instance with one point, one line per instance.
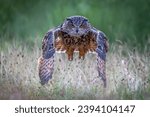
(128, 75)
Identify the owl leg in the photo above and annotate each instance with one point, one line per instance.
(81, 52)
(69, 52)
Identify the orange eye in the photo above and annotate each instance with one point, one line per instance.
(70, 24)
(82, 26)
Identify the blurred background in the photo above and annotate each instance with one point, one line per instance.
(127, 21)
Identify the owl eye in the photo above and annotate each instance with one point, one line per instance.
(70, 24)
(84, 24)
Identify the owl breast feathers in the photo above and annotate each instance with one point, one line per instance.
(75, 34)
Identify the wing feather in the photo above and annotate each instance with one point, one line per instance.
(46, 61)
(102, 48)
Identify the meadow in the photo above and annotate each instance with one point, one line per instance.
(126, 23)
(128, 75)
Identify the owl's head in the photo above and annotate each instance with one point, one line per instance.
(76, 26)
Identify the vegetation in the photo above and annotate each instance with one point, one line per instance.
(126, 24)
(128, 76)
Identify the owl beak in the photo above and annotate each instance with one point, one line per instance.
(77, 30)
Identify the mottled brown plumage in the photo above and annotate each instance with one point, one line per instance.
(75, 34)
(70, 44)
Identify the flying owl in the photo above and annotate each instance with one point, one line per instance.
(74, 34)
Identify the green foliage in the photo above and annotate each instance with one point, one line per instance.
(126, 20)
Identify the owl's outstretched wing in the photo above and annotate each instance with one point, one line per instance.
(102, 48)
(46, 61)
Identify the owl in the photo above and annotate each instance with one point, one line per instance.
(74, 34)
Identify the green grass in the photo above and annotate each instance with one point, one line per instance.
(128, 75)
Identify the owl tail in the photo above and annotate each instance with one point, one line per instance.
(46, 68)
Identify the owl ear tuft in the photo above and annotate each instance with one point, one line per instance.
(85, 20)
(68, 19)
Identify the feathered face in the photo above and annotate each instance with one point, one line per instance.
(76, 26)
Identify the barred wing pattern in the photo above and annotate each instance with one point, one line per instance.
(46, 61)
(102, 48)
(46, 68)
(49, 44)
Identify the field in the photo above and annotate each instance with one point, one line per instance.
(126, 23)
(128, 75)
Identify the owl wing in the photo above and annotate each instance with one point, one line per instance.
(46, 61)
(102, 48)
